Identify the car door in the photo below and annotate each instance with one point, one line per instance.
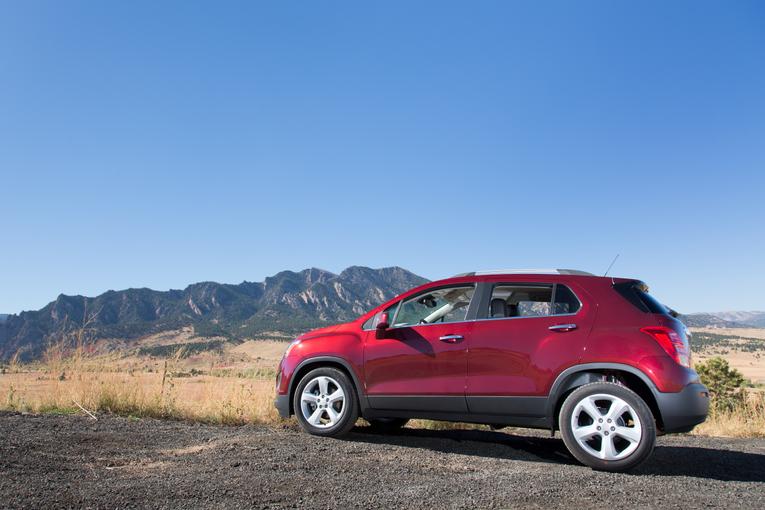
(420, 362)
(517, 348)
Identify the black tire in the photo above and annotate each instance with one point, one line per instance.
(387, 425)
(349, 411)
(626, 422)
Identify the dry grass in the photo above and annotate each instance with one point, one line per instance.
(747, 420)
(740, 332)
(231, 390)
(225, 400)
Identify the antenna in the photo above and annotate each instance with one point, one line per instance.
(612, 265)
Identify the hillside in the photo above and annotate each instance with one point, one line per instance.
(751, 319)
(725, 320)
(288, 302)
(709, 320)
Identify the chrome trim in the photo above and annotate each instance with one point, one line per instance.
(431, 324)
(485, 319)
(450, 337)
(526, 317)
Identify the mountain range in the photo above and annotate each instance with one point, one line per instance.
(288, 302)
(756, 319)
(725, 320)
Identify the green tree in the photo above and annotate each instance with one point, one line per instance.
(724, 383)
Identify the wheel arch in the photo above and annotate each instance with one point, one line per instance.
(341, 364)
(579, 375)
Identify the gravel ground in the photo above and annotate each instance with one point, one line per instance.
(69, 461)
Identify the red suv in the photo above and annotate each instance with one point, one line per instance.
(597, 358)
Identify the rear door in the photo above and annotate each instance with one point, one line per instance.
(420, 362)
(526, 333)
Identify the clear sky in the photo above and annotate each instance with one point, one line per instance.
(157, 143)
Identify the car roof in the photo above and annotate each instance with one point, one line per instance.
(524, 272)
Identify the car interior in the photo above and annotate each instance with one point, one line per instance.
(519, 301)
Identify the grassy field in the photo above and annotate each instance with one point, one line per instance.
(164, 377)
(744, 349)
(173, 377)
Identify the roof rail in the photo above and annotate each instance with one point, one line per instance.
(526, 271)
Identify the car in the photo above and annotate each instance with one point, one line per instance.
(598, 359)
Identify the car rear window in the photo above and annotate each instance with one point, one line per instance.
(637, 294)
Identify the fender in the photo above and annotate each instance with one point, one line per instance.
(317, 360)
(579, 375)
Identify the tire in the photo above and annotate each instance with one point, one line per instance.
(607, 427)
(317, 412)
(387, 425)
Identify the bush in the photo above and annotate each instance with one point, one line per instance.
(724, 384)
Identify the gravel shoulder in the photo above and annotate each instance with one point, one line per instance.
(72, 461)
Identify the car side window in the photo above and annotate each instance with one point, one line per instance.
(448, 304)
(565, 301)
(520, 300)
(532, 300)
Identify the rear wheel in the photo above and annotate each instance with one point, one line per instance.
(607, 426)
(325, 402)
(387, 425)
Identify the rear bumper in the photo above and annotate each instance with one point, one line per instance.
(682, 411)
(282, 404)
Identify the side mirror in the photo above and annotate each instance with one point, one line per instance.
(382, 326)
(383, 323)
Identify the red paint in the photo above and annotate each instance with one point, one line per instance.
(413, 361)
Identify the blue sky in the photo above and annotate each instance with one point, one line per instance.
(158, 144)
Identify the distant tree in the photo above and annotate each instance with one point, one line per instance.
(724, 383)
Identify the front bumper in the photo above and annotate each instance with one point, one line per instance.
(682, 411)
(282, 404)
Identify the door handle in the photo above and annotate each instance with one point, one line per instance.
(450, 339)
(562, 328)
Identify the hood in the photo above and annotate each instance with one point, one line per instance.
(320, 332)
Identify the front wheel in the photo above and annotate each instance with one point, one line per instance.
(325, 402)
(607, 426)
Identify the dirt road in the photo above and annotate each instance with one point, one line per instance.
(67, 461)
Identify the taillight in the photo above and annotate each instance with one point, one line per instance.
(671, 341)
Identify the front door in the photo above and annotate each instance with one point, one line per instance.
(420, 362)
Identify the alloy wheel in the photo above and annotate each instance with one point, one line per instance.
(322, 402)
(606, 426)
